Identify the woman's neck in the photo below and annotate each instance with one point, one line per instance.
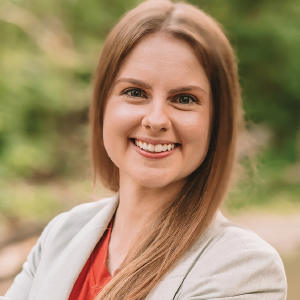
(136, 205)
(138, 202)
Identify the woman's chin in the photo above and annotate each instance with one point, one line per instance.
(153, 185)
(156, 182)
(152, 178)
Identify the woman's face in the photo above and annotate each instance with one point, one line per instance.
(158, 115)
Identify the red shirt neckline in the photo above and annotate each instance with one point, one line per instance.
(94, 275)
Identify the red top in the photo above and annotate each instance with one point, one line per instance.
(94, 275)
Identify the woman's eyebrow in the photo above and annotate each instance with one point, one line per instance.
(187, 88)
(137, 82)
(145, 85)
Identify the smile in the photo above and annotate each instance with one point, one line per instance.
(154, 148)
(154, 151)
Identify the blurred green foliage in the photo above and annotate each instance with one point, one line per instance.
(49, 51)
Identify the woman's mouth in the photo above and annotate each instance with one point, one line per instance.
(154, 151)
(154, 148)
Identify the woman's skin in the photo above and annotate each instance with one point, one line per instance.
(161, 95)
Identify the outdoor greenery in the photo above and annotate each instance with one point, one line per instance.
(48, 54)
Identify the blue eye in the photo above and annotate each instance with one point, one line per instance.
(185, 100)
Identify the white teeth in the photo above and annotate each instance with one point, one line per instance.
(154, 148)
(158, 148)
(151, 148)
(145, 146)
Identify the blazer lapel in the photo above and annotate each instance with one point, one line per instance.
(64, 273)
(168, 287)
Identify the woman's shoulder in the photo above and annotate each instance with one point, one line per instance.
(84, 212)
(236, 237)
(67, 224)
(65, 240)
(224, 238)
(229, 241)
(233, 261)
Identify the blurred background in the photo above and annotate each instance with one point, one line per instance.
(48, 53)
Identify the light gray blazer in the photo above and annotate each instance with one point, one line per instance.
(227, 262)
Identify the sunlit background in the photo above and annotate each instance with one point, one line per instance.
(48, 54)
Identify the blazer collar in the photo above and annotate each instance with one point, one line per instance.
(65, 271)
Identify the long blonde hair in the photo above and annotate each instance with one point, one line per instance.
(173, 230)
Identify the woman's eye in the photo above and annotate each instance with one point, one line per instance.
(185, 99)
(134, 93)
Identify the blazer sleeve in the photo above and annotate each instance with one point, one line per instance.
(250, 274)
(20, 289)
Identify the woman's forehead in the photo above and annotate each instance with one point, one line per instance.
(161, 58)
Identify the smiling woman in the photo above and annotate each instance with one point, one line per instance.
(165, 119)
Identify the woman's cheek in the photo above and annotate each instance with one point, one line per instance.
(194, 131)
(120, 120)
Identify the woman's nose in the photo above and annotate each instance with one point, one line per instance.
(156, 117)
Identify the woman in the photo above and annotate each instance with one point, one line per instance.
(165, 118)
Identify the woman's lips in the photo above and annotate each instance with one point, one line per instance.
(154, 151)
